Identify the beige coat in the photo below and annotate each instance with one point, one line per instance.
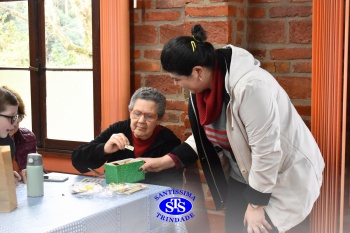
(274, 149)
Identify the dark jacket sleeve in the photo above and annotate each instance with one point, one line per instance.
(255, 197)
(165, 141)
(185, 154)
(91, 155)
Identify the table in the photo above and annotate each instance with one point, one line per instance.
(61, 211)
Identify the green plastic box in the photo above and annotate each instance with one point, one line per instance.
(124, 171)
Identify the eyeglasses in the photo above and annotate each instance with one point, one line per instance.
(13, 118)
(147, 116)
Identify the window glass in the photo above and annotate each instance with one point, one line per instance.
(61, 47)
(14, 36)
(68, 33)
(14, 52)
(69, 101)
(19, 81)
(69, 77)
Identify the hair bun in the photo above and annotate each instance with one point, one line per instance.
(198, 33)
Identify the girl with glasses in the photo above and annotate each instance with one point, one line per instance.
(24, 139)
(8, 117)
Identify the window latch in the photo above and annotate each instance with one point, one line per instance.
(33, 68)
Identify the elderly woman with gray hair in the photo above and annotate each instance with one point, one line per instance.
(142, 131)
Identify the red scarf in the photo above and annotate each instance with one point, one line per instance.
(141, 146)
(209, 102)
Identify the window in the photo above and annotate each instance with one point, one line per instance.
(50, 54)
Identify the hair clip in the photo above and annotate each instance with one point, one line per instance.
(193, 45)
(195, 39)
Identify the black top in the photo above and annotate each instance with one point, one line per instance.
(8, 142)
(91, 155)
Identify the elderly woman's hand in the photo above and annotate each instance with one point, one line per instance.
(157, 164)
(115, 143)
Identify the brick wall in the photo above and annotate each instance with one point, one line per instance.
(277, 32)
(279, 35)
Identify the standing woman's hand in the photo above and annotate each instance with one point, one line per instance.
(255, 220)
(157, 164)
(116, 142)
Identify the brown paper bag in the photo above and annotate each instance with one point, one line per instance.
(8, 197)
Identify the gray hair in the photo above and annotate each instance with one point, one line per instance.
(152, 94)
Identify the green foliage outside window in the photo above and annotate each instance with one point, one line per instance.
(68, 34)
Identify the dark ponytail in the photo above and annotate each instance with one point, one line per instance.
(182, 53)
(198, 33)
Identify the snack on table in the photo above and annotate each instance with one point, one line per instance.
(87, 185)
(126, 188)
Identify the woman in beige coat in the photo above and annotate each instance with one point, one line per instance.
(239, 110)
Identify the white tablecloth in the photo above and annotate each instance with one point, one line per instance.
(60, 211)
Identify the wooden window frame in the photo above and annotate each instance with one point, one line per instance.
(38, 79)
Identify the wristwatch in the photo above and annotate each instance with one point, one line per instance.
(253, 206)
